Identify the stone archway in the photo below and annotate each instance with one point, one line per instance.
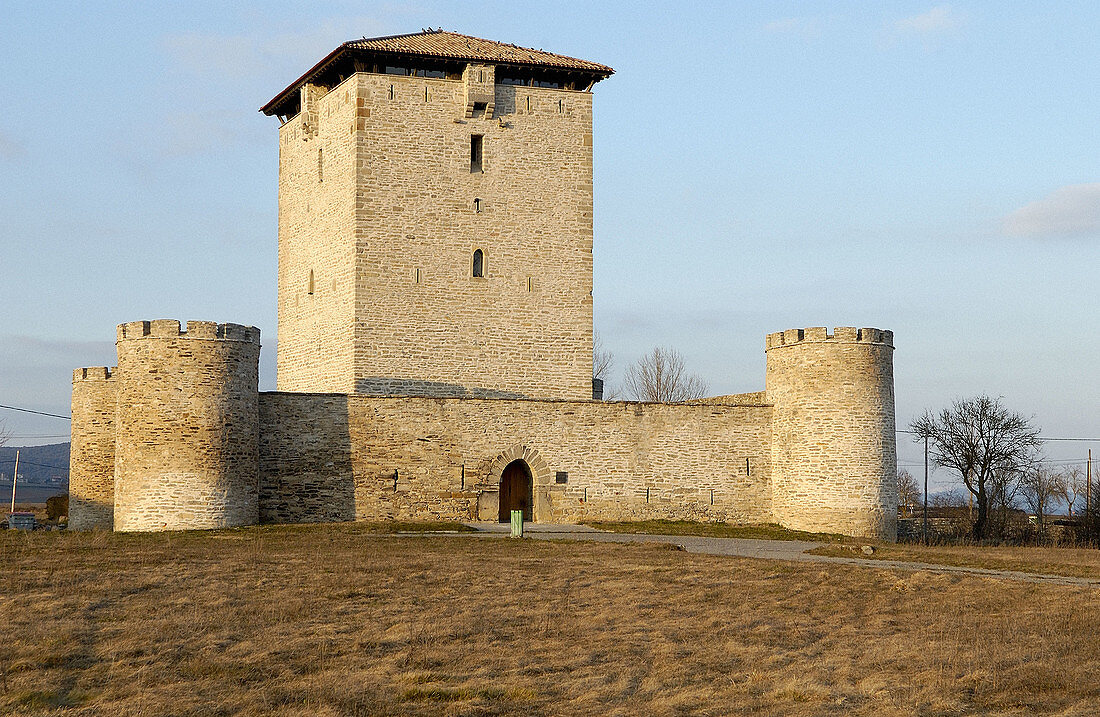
(540, 478)
(516, 491)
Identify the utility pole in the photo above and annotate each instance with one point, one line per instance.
(1088, 497)
(926, 490)
(15, 477)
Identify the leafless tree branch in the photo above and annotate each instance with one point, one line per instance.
(660, 377)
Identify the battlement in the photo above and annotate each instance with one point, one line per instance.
(171, 329)
(94, 373)
(820, 334)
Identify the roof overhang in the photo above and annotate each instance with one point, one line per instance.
(348, 51)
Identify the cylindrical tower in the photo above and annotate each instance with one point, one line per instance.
(834, 460)
(187, 426)
(92, 449)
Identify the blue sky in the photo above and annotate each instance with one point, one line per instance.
(928, 168)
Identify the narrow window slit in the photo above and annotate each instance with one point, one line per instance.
(476, 148)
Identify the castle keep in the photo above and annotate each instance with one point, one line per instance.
(435, 339)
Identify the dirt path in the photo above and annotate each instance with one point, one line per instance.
(793, 550)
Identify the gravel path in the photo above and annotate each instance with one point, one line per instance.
(792, 550)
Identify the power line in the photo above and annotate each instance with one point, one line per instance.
(32, 463)
(1049, 461)
(40, 413)
(1045, 438)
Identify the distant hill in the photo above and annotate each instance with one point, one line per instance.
(38, 465)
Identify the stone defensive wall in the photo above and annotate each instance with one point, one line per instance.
(186, 450)
(340, 457)
(179, 437)
(834, 456)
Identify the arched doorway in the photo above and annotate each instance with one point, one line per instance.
(515, 490)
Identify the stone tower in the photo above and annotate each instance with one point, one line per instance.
(435, 220)
(187, 426)
(833, 443)
(92, 450)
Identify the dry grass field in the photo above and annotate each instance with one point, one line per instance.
(762, 531)
(1071, 562)
(339, 620)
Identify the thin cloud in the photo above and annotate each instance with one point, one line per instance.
(928, 28)
(937, 20)
(236, 57)
(1070, 211)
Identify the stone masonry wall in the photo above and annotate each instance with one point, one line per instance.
(187, 452)
(92, 449)
(390, 215)
(316, 243)
(326, 457)
(834, 462)
(425, 325)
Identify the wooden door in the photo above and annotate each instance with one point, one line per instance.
(515, 491)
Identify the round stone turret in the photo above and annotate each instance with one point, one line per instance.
(187, 426)
(834, 461)
(92, 449)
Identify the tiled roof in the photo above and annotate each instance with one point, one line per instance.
(443, 45)
(440, 43)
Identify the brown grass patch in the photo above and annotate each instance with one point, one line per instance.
(334, 620)
(1069, 562)
(410, 526)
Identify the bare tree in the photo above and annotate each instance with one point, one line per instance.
(5, 434)
(909, 493)
(1040, 487)
(602, 361)
(1072, 485)
(987, 445)
(660, 377)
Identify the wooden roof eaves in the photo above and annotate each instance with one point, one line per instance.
(271, 107)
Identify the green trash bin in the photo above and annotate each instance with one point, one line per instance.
(517, 523)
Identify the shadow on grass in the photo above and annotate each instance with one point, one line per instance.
(762, 531)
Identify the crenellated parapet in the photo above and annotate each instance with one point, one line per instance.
(172, 329)
(834, 462)
(817, 334)
(94, 373)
